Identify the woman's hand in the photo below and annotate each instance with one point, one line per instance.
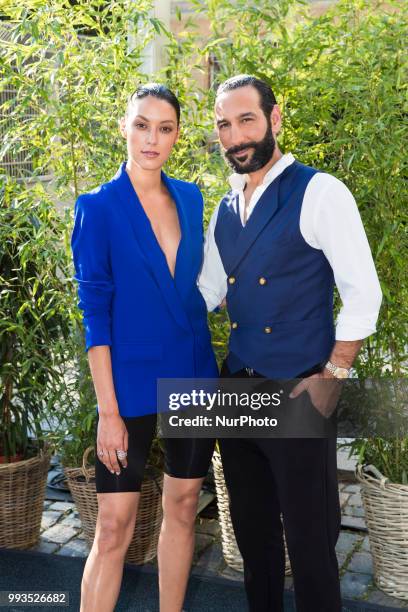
(112, 436)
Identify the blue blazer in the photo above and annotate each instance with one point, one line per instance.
(155, 325)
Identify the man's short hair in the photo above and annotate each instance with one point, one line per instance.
(266, 94)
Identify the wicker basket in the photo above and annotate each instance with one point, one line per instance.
(230, 548)
(386, 515)
(143, 547)
(22, 492)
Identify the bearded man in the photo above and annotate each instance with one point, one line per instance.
(280, 240)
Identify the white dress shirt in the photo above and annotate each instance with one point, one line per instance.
(329, 221)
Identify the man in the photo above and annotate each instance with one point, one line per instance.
(277, 243)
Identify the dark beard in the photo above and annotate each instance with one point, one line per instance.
(263, 151)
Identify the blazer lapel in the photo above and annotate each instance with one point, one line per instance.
(184, 263)
(151, 251)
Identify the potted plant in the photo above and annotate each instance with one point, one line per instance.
(382, 469)
(33, 325)
(380, 447)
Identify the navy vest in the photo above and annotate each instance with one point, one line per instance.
(280, 289)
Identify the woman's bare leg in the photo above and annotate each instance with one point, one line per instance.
(176, 542)
(103, 571)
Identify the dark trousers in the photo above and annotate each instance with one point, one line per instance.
(298, 479)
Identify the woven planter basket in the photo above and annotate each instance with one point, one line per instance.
(230, 548)
(143, 546)
(386, 515)
(22, 492)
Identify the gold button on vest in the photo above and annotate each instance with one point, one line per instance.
(231, 280)
(262, 280)
(234, 325)
(268, 330)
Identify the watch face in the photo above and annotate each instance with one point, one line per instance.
(341, 373)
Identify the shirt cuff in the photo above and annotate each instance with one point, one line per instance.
(347, 332)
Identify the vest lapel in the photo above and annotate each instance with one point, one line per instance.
(228, 215)
(263, 212)
(151, 251)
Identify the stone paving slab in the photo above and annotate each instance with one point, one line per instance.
(347, 542)
(355, 500)
(361, 562)
(341, 560)
(74, 548)
(355, 585)
(62, 506)
(49, 518)
(344, 497)
(366, 544)
(72, 521)
(59, 534)
(358, 511)
(352, 488)
(353, 522)
(45, 546)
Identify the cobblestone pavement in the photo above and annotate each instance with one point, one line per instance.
(61, 534)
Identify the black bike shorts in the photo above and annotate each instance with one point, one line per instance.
(183, 457)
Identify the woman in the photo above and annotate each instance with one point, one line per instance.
(137, 247)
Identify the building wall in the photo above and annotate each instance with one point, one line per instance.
(316, 8)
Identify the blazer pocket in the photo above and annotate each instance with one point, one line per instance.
(138, 351)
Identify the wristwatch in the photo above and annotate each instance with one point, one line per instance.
(337, 371)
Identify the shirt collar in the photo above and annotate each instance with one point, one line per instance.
(238, 181)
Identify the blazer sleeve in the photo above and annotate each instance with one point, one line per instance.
(90, 249)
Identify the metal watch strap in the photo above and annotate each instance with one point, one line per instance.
(332, 368)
